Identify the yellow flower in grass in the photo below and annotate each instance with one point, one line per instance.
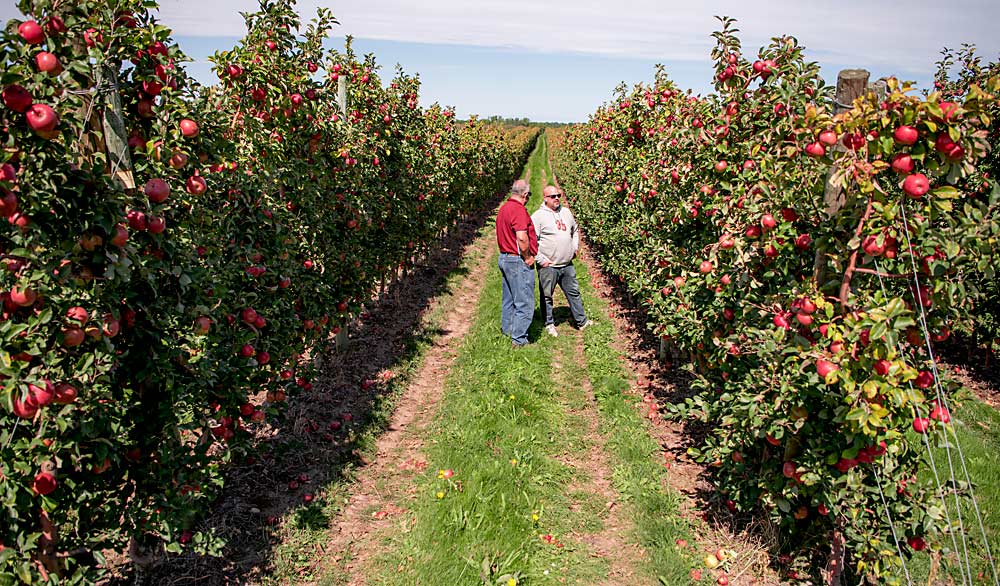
(511, 582)
(440, 494)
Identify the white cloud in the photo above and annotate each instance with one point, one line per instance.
(902, 34)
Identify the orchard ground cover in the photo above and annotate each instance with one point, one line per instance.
(535, 468)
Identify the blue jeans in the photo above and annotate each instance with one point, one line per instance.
(517, 297)
(565, 276)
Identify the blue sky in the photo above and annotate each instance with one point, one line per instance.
(558, 60)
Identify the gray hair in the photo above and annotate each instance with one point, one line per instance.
(520, 187)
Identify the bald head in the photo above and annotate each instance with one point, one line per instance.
(550, 197)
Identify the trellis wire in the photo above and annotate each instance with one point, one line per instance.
(930, 453)
(892, 525)
(944, 401)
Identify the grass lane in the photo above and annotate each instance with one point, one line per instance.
(977, 426)
(508, 497)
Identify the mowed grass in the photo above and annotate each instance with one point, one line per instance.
(537, 171)
(500, 430)
(639, 474)
(977, 426)
(508, 496)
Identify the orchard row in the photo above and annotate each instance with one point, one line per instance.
(160, 290)
(807, 262)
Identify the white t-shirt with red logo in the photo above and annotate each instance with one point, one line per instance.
(558, 237)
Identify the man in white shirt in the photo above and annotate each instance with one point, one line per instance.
(558, 241)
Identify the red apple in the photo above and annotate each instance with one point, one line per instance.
(16, 98)
(906, 135)
(902, 164)
(917, 543)
(156, 224)
(196, 185)
(815, 149)
(48, 63)
(157, 190)
(177, 160)
(768, 221)
(881, 367)
(31, 32)
(77, 314)
(8, 204)
(23, 296)
(938, 413)
(202, 324)
(42, 118)
(72, 336)
(825, 367)
(42, 395)
(263, 358)
(25, 408)
(705, 267)
(247, 351)
(921, 424)
(916, 185)
(189, 128)
(66, 393)
(828, 137)
(120, 236)
(924, 380)
(45, 483)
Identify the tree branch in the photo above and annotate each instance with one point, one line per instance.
(884, 275)
(845, 285)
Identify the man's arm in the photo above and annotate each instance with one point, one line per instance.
(524, 247)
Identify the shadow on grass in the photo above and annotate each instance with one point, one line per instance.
(306, 458)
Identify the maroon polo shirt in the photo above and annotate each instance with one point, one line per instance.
(514, 218)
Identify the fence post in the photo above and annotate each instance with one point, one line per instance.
(113, 125)
(851, 83)
(342, 95)
(341, 339)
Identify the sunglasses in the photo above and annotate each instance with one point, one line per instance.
(554, 195)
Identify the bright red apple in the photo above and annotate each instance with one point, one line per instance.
(906, 135)
(42, 118)
(189, 128)
(916, 185)
(31, 32)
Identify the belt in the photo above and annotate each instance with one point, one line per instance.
(509, 254)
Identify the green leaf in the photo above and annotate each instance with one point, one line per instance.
(946, 192)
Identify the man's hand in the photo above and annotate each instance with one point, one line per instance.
(530, 261)
(545, 264)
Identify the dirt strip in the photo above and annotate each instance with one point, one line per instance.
(399, 448)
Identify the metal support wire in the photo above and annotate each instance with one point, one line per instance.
(892, 525)
(927, 444)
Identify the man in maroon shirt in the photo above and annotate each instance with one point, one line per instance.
(518, 246)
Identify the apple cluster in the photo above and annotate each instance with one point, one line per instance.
(804, 263)
(173, 254)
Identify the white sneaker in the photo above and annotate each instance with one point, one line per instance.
(551, 329)
(586, 324)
